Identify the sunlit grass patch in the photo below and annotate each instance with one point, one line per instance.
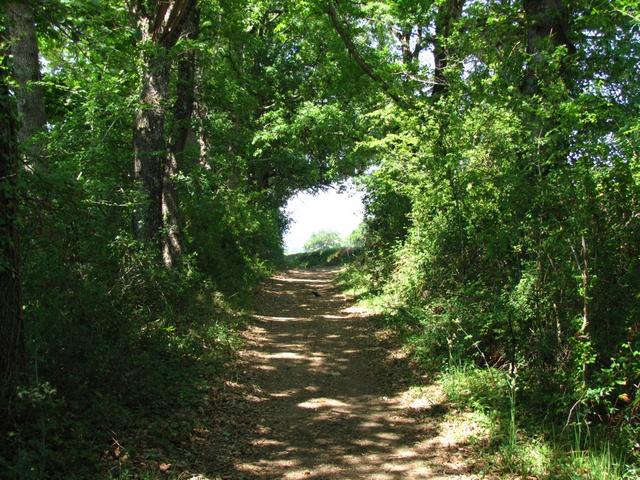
(527, 456)
(592, 464)
(527, 447)
(481, 389)
(353, 281)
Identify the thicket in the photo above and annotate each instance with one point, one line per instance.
(324, 257)
(501, 216)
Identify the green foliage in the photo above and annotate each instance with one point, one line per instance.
(323, 240)
(498, 215)
(569, 453)
(115, 340)
(501, 229)
(356, 238)
(325, 257)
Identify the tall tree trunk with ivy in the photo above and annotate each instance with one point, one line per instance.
(26, 68)
(149, 143)
(448, 14)
(12, 350)
(545, 85)
(173, 243)
(160, 25)
(547, 27)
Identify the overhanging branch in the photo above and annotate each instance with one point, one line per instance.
(340, 29)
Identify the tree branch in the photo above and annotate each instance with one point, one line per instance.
(330, 9)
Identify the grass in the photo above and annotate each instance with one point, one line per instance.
(354, 283)
(522, 445)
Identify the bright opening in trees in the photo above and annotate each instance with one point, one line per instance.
(337, 209)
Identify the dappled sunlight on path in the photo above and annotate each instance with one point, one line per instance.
(329, 403)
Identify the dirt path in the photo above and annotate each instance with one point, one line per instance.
(330, 400)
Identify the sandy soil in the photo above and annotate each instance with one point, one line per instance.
(330, 399)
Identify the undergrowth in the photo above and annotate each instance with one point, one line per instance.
(522, 439)
(524, 444)
(113, 392)
(327, 257)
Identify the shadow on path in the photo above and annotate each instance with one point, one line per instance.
(328, 400)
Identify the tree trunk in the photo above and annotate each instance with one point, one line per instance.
(448, 13)
(26, 70)
(149, 142)
(405, 46)
(546, 29)
(160, 24)
(353, 51)
(547, 26)
(182, 112)
(12, 350)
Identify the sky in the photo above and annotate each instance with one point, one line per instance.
(326, 210)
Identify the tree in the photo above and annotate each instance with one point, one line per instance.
(356, 238)
(508, 177)
(323, 240)
(26, 70)
(160, 25)
(12, 350)
(173, 241)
